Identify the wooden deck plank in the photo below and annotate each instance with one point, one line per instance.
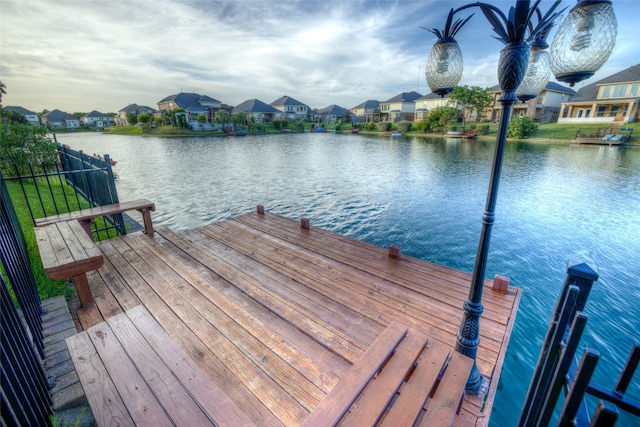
(373, 401)
(279, 326)
(374, 303)
(196, 344)
(165, 387)
(139, 399)
(263, 386)
(255, 298)
(288, 352)
(330, 337)
(106, 403)
(338, 401)
(209, 397)
(229, 322)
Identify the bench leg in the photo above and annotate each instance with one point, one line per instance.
(86, 224)
(82, 286)
(148, 225)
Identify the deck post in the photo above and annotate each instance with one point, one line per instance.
(260, 210)
(304, 223)
(394, 251)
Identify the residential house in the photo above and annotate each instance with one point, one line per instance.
(97, 120)
(121, 118)
(333, 113)
(366, 111)
(400, 107)
(292, 109)
(612, 100)
(60, 119)
(31, 117)
(193, 104)
(545, 108)
(428, 102)
(258, 111)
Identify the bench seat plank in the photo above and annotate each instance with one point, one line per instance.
(66, 250)
(85, 216)
(342, 396)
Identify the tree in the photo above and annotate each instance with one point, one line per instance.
(439, 118)
(78, 115)
(239, 119)
(201, 118)
(14, 117)
(471, 99)
(145, 118)
(3, 91)
(222, 117)
(132, 118)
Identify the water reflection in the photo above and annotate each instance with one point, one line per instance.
(556, 202)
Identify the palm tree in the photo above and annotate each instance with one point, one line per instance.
(3, 91)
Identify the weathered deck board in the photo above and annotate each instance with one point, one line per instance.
(276, 315)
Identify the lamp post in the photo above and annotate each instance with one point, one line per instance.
(578, 50)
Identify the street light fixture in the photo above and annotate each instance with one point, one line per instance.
(579, 37)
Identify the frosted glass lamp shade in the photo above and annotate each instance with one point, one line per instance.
(537, 76)
(584, 41)
(444, 67)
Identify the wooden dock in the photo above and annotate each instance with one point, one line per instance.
(275, 315)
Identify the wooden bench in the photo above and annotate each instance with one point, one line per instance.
(66, 251)
(133, 373)
(401, 380)
(87, 216)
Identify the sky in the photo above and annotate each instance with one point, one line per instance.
(79, 55)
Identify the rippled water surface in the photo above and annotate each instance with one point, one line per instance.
(556, 203)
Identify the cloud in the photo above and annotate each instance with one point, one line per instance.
(79, 56)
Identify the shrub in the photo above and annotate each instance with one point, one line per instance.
(521, 127)
(384, 126)
(23, 144)
(370, 126)
(404, 126)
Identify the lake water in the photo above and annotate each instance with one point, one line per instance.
(556, 203)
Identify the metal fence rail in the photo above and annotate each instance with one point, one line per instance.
(91, 179)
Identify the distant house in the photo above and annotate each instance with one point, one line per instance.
(193, 104)
(258, 111)
(428, 102)
(400, 107)
(31, 117)
(60, 119)
(121, 118)
(545, 108)
(97, 120)
(612, 100)
(332, 113)
(292, 109)
(367, 110)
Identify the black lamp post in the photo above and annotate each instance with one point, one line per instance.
(578, 50)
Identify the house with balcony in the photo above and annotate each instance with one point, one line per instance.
(193, 104)
(613, 100)
(292, 109)
(30, 116)
(121, 118)
(366, 111)
(258, 111)
(97, 119)
(545, 108)
(60, 119)
(398, 108)
(333, 113)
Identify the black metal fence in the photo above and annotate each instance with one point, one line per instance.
(24, 396)
(91, 179)
(557, 370)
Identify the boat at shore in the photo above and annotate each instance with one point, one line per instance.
(472, 134)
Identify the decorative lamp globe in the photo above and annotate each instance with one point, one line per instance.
(584, 41)
(444, 65)
(537, 75)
